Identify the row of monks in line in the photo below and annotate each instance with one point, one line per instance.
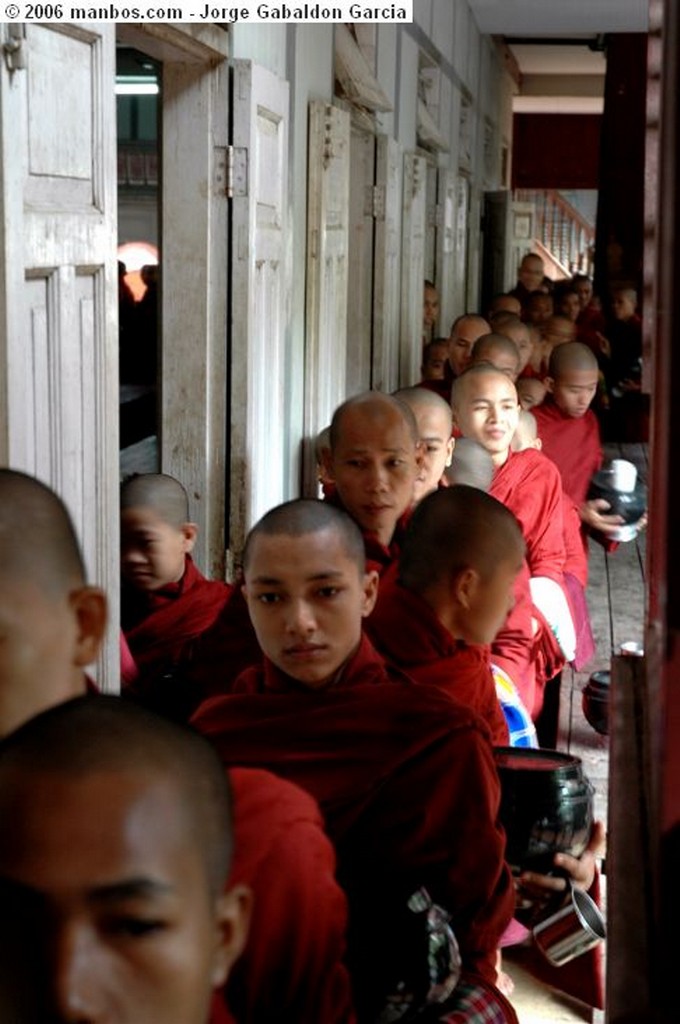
(346, 685)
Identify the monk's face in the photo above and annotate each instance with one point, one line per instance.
(584, 290)
(506, 303)
(531, 273)
(489, 602)
(430, 308)
(41, 649)
(570, 306)
(433, 367)
(488, 411)
(152, 551)
(531, 392)
(519, 333)
(307, 598)
(574, 390)
(540, 309)
(127, 929)
(436, 445)
(374, 465)
(559, 331)
(462, 339)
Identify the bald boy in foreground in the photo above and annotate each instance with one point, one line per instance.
(125, 914)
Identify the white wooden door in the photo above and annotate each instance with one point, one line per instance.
(388, 177)
(58, 286)
(446, 250)
(360, 265)
(412, 268)
(259, 296)
(430, 266)
(327, 258)
(461, 245)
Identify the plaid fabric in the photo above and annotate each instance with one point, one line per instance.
(475, 1002)
(520, 727)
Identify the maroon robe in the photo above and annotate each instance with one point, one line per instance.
(407, 632)
(159, 624)
(292, 967)
(221, 645)
(573, 444)
(406, 781)
(529, 485)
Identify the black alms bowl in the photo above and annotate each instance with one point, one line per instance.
(595, 701)
(630, 505)
(546, 806)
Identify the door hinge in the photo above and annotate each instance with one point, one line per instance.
(237, 172)
(14, 47)
(374, 204)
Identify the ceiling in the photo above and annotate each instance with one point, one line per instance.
(559, 17)
(559, 47)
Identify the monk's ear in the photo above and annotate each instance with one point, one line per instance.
(370, 586)
(465, 585)
(90, 610)
(537, 444)
(190, 533)
(232, 921)
(549, 384)
(451, 444)
(327, 463)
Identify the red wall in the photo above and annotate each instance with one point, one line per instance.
(556, 150)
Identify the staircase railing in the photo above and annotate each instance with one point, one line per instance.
(561, 229)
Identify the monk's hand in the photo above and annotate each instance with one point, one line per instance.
(603, 345)
(593, 514)
(576, 871)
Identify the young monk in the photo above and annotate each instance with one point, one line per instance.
(324, 711)
(374, 462)
(531, 391)
(126, 914)
(570, 431)
(499, 351)
(166, 602)
(435, 422)
(449, 596)
(52, 625)
(435, 354)
(487, 409)
(526, 434)
(520, 333)
(464, 333)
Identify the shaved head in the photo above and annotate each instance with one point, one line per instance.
(305, 515)
(498, 350)
(456, 529)
(526, 434)
(421, 398)
(571, 356)
(473, 373)
(375, 406)
(92, 735)
(37, 538)
(471, 465)
(159, 492)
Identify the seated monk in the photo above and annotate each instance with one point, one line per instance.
(165, 600)
(324, 711)
(374, 461)
(434, 420)
(449, 595)
(52, 624)
(123, 915)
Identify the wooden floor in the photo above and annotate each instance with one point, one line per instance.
(616, 600)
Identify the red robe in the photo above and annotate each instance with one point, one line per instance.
(573, 444)
(406, 781)
(529, 485)
(407, 632)
(292, 968)
(159, 624)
